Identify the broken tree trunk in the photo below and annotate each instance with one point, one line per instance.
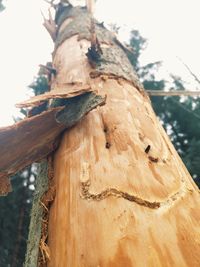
(123, 195)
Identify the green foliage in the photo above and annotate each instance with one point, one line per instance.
(147, 72)
(14, 220)
(138, 43)
(2, 7)
(180, 116)
(39, 85)
(182, 119)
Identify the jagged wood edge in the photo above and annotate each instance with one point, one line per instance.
(74, 110)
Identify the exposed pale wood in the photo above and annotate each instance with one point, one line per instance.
(118, 203)
(88, 230)
(90, 6)
(173, 93)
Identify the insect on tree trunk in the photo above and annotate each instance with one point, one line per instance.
(123, 196)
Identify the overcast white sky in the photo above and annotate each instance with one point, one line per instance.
(171, 27)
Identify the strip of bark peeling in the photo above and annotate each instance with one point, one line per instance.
(32, 139)
(46, 201)
(35, 228)
(66, 92)
(79, 106)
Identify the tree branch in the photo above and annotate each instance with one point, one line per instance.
(173, 93)
(190, 71)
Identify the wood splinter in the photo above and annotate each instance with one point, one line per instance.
(50, 25)
(48, 69)
(94, 52)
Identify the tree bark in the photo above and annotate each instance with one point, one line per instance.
(35, 227)
(123, 195)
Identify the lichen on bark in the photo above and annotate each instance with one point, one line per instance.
(35, 227)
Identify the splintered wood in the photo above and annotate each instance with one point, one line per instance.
(25, 142)
(68, 91)
(33, 139)
(123, 195)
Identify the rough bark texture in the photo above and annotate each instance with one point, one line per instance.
(123, 195)
(35, 228)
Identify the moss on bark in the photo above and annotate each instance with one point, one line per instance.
(36, 217)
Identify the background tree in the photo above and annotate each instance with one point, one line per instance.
(14, 220)
(15, 208)
(2, 7)
(180, 115)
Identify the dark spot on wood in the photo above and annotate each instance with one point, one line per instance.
(108, 145)
(147, 149)
(153, 159)
(94, 53)
(105, 129)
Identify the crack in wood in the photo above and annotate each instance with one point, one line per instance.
(177, 195)
(85, 194)
(113, 192)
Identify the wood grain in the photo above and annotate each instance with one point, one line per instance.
(116, 204)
